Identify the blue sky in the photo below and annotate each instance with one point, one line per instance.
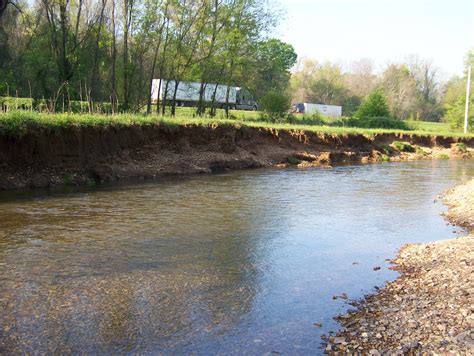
(384, 30)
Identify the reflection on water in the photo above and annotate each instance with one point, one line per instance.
(241, 262)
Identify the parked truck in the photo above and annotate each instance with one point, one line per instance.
(332, 111)
(189, 93)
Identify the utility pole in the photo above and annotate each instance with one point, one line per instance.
(466, 115)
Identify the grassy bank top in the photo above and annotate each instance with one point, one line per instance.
(21, 122)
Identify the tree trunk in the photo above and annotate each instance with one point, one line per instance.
(201, 104)
(95, 69)
(165, 94)
(173, 103)
(114, 101)
(127, 14)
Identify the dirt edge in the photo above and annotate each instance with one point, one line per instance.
(88, 155)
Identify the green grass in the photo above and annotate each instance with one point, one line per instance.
(429, 126)
(18, 122)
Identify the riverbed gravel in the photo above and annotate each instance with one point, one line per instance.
(429, 308)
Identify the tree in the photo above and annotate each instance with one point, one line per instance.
(111, 50)
(327, 85)
(5, 3)
(429, 106)
(361, 80)
(374, 106)
(301, 79)
(455, 113)
(455, 98)
(400, 89)
(274, 61)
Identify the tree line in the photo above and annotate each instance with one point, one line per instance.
(99, 51)
(105, 53)
(413, 89)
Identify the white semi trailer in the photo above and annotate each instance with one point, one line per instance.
(188, 93)
(333, 111)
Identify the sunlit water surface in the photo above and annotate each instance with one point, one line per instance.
(243, 262)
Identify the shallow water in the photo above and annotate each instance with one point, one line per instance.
(243, 262)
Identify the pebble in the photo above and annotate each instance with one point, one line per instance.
(428, 309)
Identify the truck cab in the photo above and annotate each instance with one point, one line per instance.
(245, 100)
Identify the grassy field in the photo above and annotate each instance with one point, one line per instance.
(18, 122)
(430, 126)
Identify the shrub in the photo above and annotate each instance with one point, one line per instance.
(383, 122)
(316, 119)
(275, 105)
(374, 106)
(443, 156)
(372, 123)
(346, 121)
(403, 146)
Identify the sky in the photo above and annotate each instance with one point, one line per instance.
(386, 31)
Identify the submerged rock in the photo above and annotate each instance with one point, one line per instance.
(39, 181)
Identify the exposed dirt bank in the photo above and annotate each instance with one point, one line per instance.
(82, 155)
(429, 308)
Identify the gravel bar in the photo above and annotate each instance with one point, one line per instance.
(429, 308)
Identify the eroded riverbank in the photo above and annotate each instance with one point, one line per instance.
(429, 308)
(85, 155)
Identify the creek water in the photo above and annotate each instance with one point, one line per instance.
(237, 263)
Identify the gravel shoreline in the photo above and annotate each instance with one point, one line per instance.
(429, 308)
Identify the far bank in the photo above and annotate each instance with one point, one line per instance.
(43, 151)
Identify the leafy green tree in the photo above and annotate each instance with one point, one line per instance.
(374, 106)
(455, 113)
(400, 89)
(455, 98)
(428, 89)
(274, 59)
(327, 85)
(350, 105)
